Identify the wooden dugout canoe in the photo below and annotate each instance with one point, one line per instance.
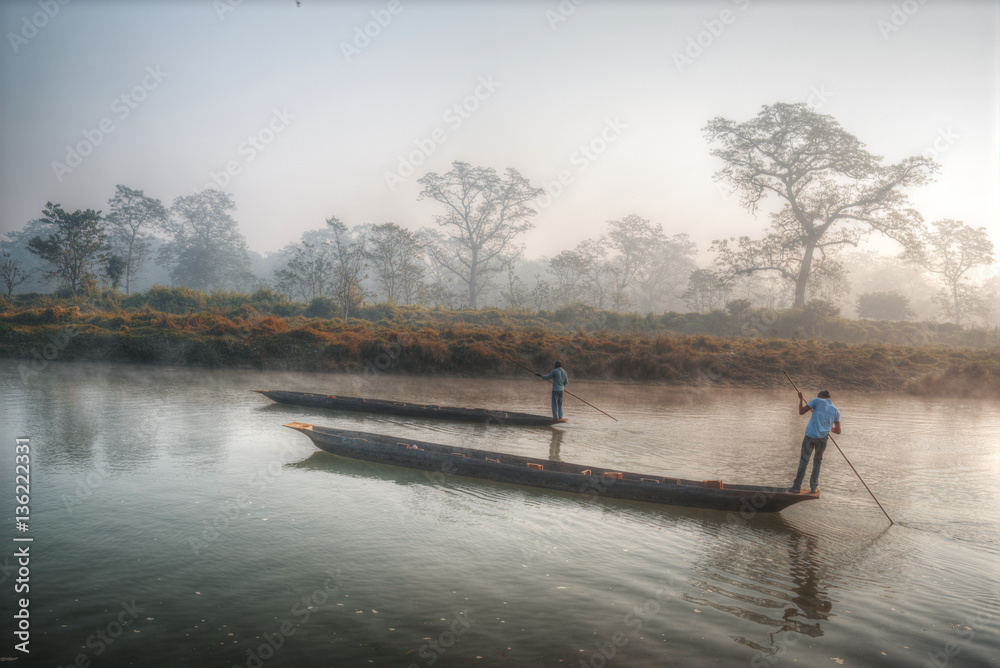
(382, 407)
(562, 476)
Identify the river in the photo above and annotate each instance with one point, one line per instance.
(174, 521)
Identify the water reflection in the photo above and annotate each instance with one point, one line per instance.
(554, 445)
(810, 597)
(762, 568)
(766, 569)
(769, 564)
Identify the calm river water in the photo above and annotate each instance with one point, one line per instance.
(175, 522)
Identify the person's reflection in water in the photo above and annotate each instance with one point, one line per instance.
(810, 597)
(557, 437)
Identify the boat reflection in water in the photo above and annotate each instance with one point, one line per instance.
(772, 576)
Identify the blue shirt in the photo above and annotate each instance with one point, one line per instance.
(559, 379)
(824, 414)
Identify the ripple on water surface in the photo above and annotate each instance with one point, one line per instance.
(188, 496)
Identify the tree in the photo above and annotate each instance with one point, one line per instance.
(349, 267)
(12, 272)
(633, 240)
(396, 255)
(131, 217)
(515, 296)
(670, 265)
(737, 308)
(872, 272)
(889, 305)
(78, 240)
(15, 244)
(634, 263)
(950, 251)
(442, 288)
(835, 192)
(311, 266)
(985, 305)
(763, 290)
(207, 250)
(581, 275)
(707, 291)
(114, 269)
(483, 215)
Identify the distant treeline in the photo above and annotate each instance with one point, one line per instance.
(179, 326)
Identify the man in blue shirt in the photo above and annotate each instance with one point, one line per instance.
(559, 381)
(825, 419)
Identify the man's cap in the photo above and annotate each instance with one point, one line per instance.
(824, 394)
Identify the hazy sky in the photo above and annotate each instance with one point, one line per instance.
(166, 94)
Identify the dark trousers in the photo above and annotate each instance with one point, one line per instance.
(557, 405)
(810, 446)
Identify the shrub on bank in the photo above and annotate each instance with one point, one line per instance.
(817, 320)
(167, 299)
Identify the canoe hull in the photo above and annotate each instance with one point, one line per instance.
(561, 476)
(382, 407)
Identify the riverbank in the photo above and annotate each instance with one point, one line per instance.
(314, 344)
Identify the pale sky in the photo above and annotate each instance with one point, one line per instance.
(199, 78)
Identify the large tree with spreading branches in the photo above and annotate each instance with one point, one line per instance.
(77, 242)
(483, 214)
(833, 191)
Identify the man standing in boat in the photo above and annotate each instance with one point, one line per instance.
(559, 381)
(825, 419)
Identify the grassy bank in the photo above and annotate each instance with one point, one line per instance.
(302, 343)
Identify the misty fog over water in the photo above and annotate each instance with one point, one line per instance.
(678, 200)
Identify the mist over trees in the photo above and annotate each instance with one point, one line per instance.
(396, 258)
(349, 266)
(889, 305)
(132, 220)
(308, 271)
(483, 213)
(12, 272)
(832, 194)
(77, 241)
(835, 192)
(949, 251)
(205, 249)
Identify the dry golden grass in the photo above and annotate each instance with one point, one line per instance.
(460, 348)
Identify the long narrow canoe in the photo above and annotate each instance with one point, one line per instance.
(562, 476)
(383, 407)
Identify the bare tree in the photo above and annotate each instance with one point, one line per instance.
(985, 306)
(311, 266)
(483, 215)
(131, 217)
(950, 251)
(15, 243)
(396, 255)
(633, 240)
(581, 275)
(515, 296)
(12, 272)
(835, 192)
(349, 268)
(634, 263)
(443, 288)
(707, 290)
